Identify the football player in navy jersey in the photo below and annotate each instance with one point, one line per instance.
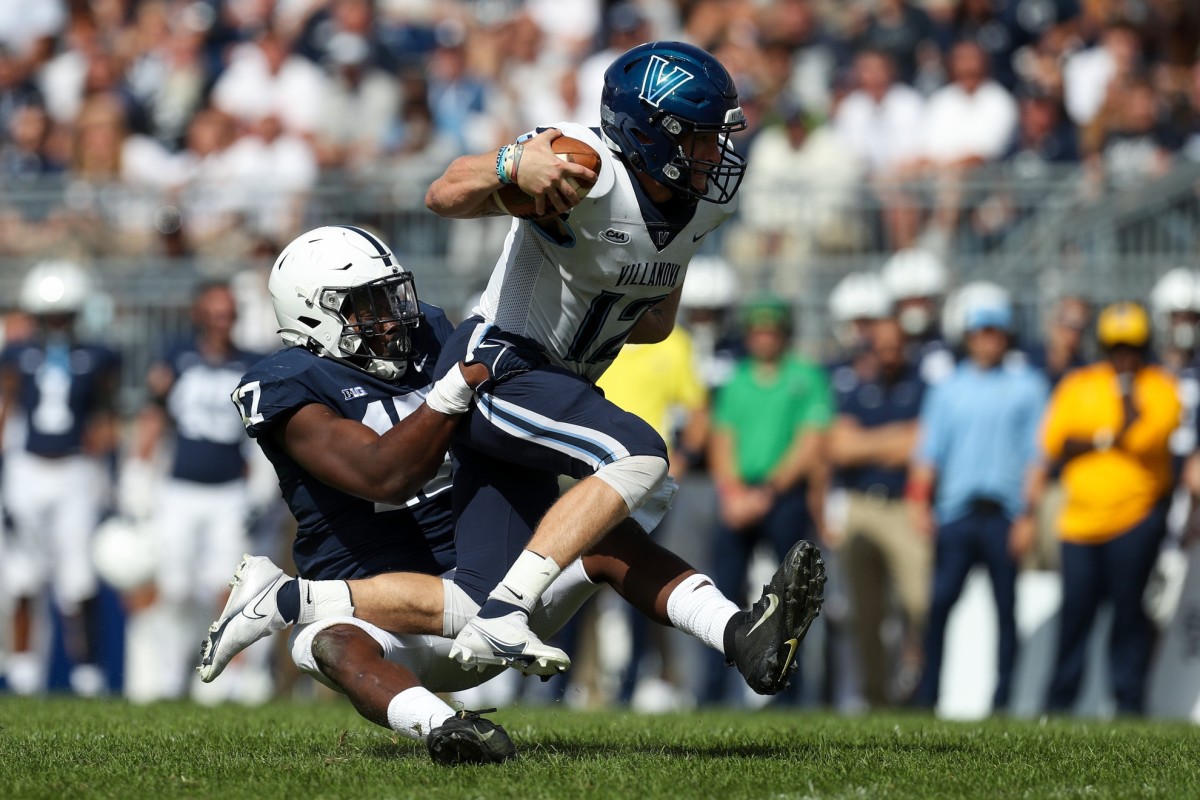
(357, 432)
(198, 513)
(59, 392)
(589, 274)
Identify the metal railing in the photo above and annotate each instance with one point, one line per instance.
(1039, 234)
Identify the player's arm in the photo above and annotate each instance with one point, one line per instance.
(136, 484)
(657, 322)
(464, 191)
(102, 434)
(10, 387)
(151, 422)
(353, 458)
(851, 444)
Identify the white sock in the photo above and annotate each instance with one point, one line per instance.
(529, 576)
(701, 610)
(415, 712)
(323, 599)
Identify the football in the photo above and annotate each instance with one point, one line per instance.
(515, 202)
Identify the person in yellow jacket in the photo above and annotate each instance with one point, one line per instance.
(1109, 425)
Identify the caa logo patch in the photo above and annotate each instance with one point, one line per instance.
(615, 236)
(662, 79)
(353, 392)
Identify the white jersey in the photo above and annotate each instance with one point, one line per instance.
(581, 295)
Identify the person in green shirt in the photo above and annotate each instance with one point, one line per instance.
(765, 454)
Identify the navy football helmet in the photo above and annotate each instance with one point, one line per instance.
(661, 97)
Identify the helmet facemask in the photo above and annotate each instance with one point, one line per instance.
(377, 319)
(722, 173)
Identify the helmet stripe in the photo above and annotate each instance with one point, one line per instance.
(380, 247)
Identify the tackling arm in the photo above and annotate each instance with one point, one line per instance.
(353, 458)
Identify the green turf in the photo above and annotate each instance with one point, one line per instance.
(67, 749)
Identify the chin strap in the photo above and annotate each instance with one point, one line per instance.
(386, 370)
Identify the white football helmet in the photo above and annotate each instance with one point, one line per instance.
(916, 280)
(914, 273)
(55, 286)
(339, 291)
(710, 284)
(977, 294)
(1175, 304)
(857, 298)
(859, 295)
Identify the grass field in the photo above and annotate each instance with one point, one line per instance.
(68, 749)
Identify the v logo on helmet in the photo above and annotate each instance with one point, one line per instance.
(661, 80)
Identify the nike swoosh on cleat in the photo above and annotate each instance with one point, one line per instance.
(787, 662)
(772, 604)
(488, 735)
(503, 648)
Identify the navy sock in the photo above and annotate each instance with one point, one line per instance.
(288, 601)
(493, 608)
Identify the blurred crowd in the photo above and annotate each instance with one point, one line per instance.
(947, 433)
(207, 126)
(939, 440)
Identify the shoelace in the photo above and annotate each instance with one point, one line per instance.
(473, 715)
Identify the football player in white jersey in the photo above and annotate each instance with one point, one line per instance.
(584, 277)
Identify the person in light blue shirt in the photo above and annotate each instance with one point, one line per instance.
(977, 444)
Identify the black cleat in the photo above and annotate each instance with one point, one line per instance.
(762, 642)
(468, 738)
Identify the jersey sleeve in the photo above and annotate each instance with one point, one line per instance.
(271, 392)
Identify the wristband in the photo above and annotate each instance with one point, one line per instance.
(451, 395)
(517, 151)
(502, 158)
(918, 492)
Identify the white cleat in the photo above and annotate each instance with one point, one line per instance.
(249, 615)
(504, 641)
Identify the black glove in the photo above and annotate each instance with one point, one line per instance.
(505, 355)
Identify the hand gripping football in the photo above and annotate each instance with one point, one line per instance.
(513, 201)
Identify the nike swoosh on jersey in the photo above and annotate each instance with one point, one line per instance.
(772, 604)
(698, 236)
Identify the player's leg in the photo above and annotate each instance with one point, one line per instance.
(263, 599)
(28, 496)
(553, 421)
(379, 673)
(79, 482)
(506, 501)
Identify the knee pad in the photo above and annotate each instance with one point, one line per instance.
(458, 608)
(635, 478)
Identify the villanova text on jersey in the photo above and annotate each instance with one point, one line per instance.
(653, 273)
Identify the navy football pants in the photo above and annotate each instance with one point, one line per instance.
(510, 449)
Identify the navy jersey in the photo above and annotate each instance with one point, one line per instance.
(873, 403)
(341, 536)
(209, 438)
(61, 386)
